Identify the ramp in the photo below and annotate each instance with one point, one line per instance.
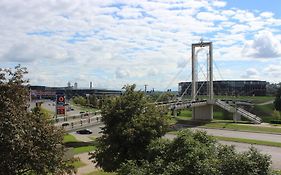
(253, 118)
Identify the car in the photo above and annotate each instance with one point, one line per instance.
(84, 131)
(65, 124)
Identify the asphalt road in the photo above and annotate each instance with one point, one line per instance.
(274, 152)
(244, 135)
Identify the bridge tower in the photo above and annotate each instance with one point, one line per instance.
(204, 112)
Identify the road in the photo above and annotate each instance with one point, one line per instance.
(244, 135)
(274, 152)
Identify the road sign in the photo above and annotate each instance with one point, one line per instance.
(60, 106)
(60, 110)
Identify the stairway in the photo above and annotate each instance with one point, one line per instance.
(240, 111)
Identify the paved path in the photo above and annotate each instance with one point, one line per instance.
(266, 103)
(88, 168)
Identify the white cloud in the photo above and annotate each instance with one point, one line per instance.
(251, 73)
(219, 3)
(266, 14)
(207, 16)
(105, 41)
(264, 45)
(122, 73)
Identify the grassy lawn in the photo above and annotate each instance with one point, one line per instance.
(99, 172)
(79, 164)
(83, 149)
(69, 138)
(241, 127)
(249, 141)
(254, 99)
(76, 146)
(242, 140)
(83, 108)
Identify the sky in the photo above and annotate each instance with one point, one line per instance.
(117, 42)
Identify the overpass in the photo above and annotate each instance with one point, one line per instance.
(203, 109)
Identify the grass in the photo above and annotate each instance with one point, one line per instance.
(242, 140)
(78, 164)
(242, 127)
(76, 146)
(83, 149)
(264, 111)
(69, 138)
(83, 108)
(249, 141)
(100, 172)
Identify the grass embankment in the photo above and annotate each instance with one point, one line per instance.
(76, 146)
(242, 127)
(242, 140)
(82, 108)
(79, 164)
(100, 173)
(249, 141)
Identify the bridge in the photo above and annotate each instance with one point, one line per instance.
(201, 109)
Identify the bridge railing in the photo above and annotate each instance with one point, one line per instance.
(77, 116)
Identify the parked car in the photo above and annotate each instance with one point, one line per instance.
(84, 131)
(65, 124)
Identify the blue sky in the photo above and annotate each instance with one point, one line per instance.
(118, 42)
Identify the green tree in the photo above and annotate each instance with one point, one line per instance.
(93, 100)
(167, 96)
(196, 153)
(29, 144)
(80, 100)
(131, 123)
(277, 101)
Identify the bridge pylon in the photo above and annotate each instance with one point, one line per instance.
(202, 112)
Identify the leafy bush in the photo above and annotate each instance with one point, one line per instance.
(275, 121)
(196, 153)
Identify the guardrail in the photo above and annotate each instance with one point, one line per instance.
(240, 111)
(79, 124)
(77, 116)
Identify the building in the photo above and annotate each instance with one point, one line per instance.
(228, 87)
(44, 92)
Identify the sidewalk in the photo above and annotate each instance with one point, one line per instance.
(88, 168)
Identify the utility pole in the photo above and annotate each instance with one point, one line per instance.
(145, 87)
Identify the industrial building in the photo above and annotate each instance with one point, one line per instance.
(44, 92)
(227, 87)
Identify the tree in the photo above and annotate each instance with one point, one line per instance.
(93, 100)
(80, 100)
(29, 144)
(131, 123)
(277, 101)
(196, 153)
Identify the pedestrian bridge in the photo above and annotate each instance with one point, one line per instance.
(236, 111)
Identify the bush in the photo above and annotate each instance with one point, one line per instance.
(275, 121)
(196, 153)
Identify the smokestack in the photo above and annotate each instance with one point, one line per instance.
(91, 85)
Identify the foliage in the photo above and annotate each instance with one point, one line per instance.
(131, 123)
(93, 100)
(277, 101)
(28, 142)
(276, 114)
(167, 96)
(275, 121)
(196, 153)
(80, 100)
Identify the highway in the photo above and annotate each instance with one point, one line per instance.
(275, 152)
